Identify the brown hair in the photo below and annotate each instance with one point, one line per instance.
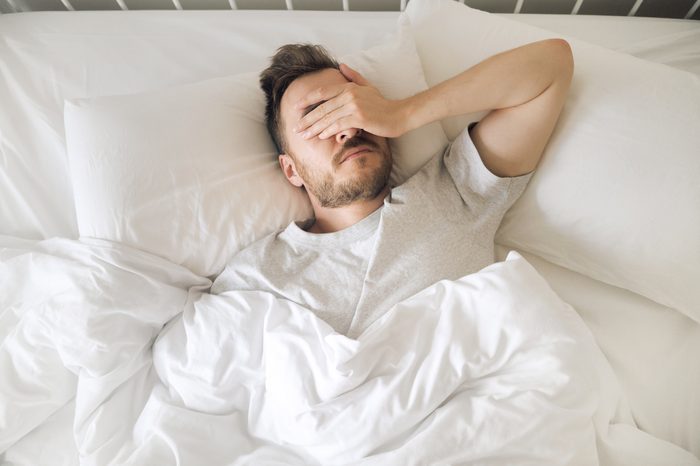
(288, 63)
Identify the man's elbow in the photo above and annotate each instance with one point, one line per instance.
(564, 57)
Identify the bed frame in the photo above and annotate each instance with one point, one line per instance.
(680, 9)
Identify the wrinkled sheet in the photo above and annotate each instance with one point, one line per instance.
(492, 368)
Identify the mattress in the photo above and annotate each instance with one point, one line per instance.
(47, 57)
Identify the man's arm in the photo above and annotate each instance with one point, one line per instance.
(525, 88)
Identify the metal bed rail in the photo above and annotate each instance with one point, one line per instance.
(681, 9)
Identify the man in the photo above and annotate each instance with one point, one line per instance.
(371, 245)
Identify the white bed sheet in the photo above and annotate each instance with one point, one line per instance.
(653, 350)
(673, 42)
(496, 358)
(46, 57)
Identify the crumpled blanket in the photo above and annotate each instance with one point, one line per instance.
(490, 369)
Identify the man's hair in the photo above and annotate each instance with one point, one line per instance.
(288, 63)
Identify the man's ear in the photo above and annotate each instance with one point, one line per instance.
(290, 170)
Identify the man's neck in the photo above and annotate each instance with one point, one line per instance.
(330, 220)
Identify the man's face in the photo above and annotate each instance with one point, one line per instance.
(321, 164)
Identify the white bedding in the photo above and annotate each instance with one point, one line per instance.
(673, 42)
(45, 57)
(652, 349)
(48, 56)
(479, 370)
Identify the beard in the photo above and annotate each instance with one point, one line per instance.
(363, 185)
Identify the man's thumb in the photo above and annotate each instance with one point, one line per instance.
(353, 75)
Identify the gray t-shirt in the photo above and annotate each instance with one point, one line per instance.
(439, 224)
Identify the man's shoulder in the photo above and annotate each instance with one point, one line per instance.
(427, 176)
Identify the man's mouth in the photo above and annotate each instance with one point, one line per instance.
(355, 152)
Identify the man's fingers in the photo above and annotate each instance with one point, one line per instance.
(326, 122)
(319, 94)
(339, 125)
(328, 92)
(353, 75)
(320, 111)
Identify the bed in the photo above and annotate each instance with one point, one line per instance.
(86, 289)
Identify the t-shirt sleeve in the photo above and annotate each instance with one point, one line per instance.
(477, 186)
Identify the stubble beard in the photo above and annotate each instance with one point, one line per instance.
(332, 194)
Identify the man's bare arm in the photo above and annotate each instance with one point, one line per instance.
(525, 88)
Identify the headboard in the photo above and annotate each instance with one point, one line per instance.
(686, 9)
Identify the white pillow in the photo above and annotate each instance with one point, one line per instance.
(616, 195)
(190, 172)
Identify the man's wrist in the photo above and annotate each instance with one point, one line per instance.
(412, 115)
(419, 110)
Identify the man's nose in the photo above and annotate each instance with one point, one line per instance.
(347, 134)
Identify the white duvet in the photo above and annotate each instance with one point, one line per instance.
(493, 368)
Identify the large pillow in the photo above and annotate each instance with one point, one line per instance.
(616, 195)
(190, 172)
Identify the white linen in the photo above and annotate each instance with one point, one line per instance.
(46, 57)
(67, 312)
(622, 158)
(652, 349)
(673, 42)
(488, 367)
(190, 172)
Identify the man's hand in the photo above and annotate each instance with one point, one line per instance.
(356, 104)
